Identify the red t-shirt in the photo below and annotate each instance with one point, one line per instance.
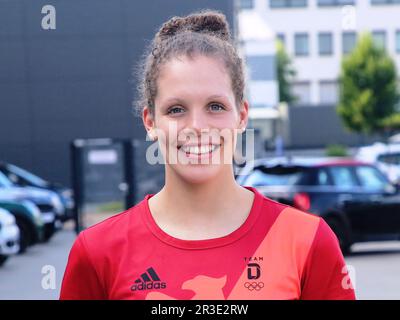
(278, 253)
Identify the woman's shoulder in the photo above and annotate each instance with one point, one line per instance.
(289, 224)
(307, 231)
(110, 230)
(289, 213)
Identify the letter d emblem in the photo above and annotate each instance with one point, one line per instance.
(253, 271)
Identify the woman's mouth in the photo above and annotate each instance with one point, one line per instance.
(198, 151)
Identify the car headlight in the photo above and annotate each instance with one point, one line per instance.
(57, 204)
(11, 221)
(67, 193)
(7, 219)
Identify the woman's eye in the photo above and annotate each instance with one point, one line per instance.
(216, 107)
(175, 110)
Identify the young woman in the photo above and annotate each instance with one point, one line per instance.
(203, 236)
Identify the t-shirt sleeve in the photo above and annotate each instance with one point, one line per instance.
(325, 276)
(81, 281)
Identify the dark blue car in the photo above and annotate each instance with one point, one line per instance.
(355, 198)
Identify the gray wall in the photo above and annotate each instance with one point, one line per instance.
(75, 81)
(319, 126)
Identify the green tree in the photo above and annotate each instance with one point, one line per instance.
(285, 74)
(368, 89)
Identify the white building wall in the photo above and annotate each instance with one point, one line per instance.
(258, 40)
(314, 19)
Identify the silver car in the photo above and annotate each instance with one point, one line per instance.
(9, 236)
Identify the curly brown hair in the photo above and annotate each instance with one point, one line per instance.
(201, 33)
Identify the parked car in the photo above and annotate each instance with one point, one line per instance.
(28, 219)
(355, 198)
(47, 201)
(385, 156)
(24, 178)
(395, 138)
(9, 236)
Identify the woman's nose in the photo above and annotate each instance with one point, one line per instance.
(197, 121)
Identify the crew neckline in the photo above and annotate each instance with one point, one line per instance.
(204, 243)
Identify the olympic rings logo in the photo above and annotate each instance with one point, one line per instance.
(254, 285)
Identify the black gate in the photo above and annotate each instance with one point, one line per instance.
(100, 181)
(110, 176)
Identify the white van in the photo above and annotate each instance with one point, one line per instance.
(385, 156)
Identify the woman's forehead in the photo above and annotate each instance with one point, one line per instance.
(204, 75)
(193, 68)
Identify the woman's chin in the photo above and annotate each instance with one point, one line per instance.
(197, 174)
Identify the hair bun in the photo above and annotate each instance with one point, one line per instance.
(210, 22)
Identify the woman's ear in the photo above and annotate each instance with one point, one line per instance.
(243, 116)
(149, 122)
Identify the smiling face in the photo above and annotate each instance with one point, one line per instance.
(196, 117)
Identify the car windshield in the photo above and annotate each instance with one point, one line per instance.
(371, 178)
(26, 175)
(276, 176)
(343, 177)
(390, 158)
(4, 182)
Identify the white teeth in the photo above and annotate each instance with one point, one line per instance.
(196, 150)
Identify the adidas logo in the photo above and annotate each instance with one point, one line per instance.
(148, 280)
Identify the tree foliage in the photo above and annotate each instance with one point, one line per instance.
(285, 74)
(368, 89)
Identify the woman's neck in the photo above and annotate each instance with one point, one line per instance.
(217, 204)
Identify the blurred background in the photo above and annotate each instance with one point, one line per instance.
(323, 86)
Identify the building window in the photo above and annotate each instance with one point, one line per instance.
(281, 37)
(302, 92)
(301, 45)
(246, 4)
(331, 3)
(261, 68)
(385, 1)
(288, 3)
(328, 92)
(379, 38)
(398, 41)
(348, 41)
(325, 43)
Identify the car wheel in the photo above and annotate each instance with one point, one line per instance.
(49, 230)
(25, 235)
(3, 259)
(341, 233)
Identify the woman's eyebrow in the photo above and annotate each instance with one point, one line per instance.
(174, 100)
(182, 101)
(217, 96)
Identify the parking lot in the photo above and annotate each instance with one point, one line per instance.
(21, 277)
(376, 267)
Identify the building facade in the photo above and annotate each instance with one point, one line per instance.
(258, 49)
(318, 33)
